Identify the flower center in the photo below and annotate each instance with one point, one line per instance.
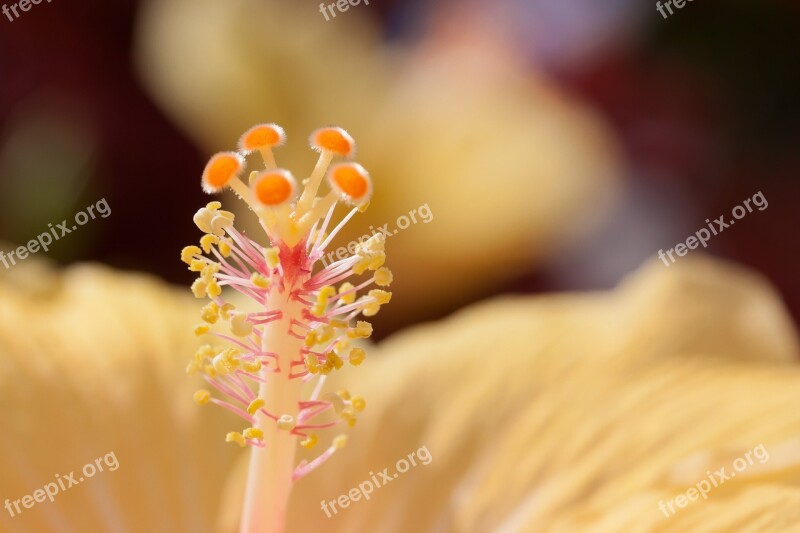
(299, 325)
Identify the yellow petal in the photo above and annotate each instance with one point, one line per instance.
(562, 413)
(580, 412)
(91, 365)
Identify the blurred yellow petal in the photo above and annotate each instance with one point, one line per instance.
(578, 412)
(449, 125)
(92, 363)
(557, 413)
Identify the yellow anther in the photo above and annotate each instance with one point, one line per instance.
(383, 277)
(362, 330)
(334, 360)
(209, 370)
(201, 397)
(361, 266)
(196, 265)
(213, 206)
(338, 324)
(349, 298)
(252, 366)
(311, 339)
(371, 309)
(188, 253)
(203, 219)
(344, 394)
(377, 261)
(325, 293)
(219, 224)
(199, 288)
(240, 326)
(210, 313)
(381, 297)
(349, 417)
(255, 405)
(272, 257)
(363, 206)
(253, 433)
(207, 241)
(201, 329)
(232, 352)
(204, 352)
(225, 311)
(221, 365)
(286, 422)
(312, 363)
(208, 272)
(213, 290)
(326, 368)
(372, 254)
(335, 400)
(341, 346)
(226, 362)
(357, 356)
(226, 214)
(358, 403)
(225, 247)
(310, 441)
(235, 436)
(375, 244)
(259, 281)
(324, 333)
(339, 441)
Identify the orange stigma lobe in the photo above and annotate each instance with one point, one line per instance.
(334, 140)
(273, 188)
(351, 180)
(220, 169)
(262, 136)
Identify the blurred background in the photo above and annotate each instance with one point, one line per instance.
(559, 143)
